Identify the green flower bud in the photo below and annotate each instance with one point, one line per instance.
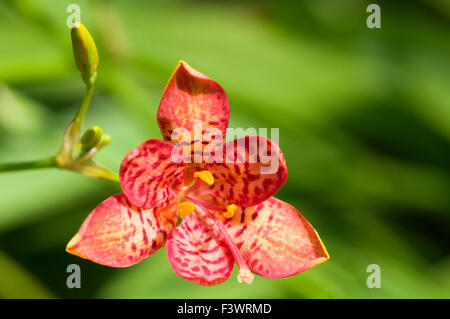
(91, 138)
(85, 52)
(104, 141)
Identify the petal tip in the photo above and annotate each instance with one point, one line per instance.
(71, 247)
(72, 243)
(183, 66)
(326, 255)
(182, 63)
(318, 261)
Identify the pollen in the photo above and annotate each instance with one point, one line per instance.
(185, 208)
(205, 176)
(231, 209)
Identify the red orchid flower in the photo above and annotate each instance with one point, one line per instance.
(228, 214)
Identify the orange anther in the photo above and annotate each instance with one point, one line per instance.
(185, 208)
(205, 176)
(231, 209)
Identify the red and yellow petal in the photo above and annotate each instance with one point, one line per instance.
(149, 175)
(197, 253)
(275, 240)
(191, 96)
(253, 169)
(120, 234)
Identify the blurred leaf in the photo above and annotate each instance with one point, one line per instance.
(18, 114)
(16, 282)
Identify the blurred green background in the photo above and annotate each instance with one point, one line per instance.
(364, 118)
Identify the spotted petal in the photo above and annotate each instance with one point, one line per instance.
(149, 174)
(197, 253)
(275, 239)
(119, 234)
(191, 96)
(253, 169)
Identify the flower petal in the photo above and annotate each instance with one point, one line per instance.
(197, 253)
(275, 239)
(190, 95)
(119, 234)
(253, 170)
(149, 176)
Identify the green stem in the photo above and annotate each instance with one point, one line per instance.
(43, 163)
(95, 171)
(85, 103)
(65, 158)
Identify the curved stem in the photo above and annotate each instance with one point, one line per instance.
(71, 135)
(85, 103)
(43, 163)
(73, 131)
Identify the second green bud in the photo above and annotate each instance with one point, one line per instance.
(91, 138)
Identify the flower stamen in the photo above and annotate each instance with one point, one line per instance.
(205, 176)
(245, 274)
(185, 208)
(231, 209)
